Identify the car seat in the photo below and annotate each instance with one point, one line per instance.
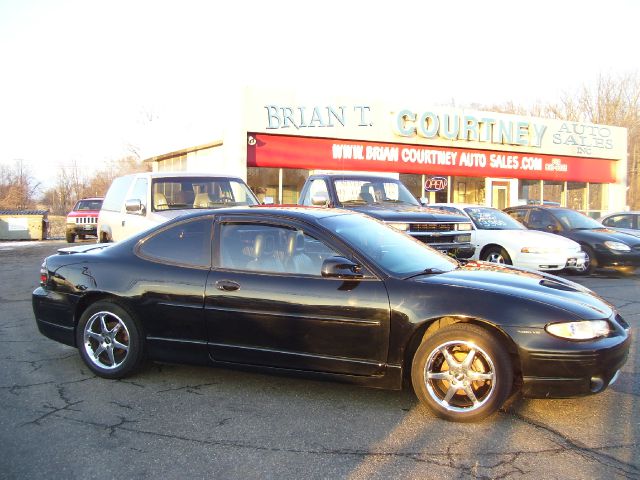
(296, 261)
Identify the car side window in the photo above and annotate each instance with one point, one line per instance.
(519, 215)
(140, 191)
(541, 220)
(186, 243)
(317, 188)
(619, 221)
(271, 248)
(114, 199)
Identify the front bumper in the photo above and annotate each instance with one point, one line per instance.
(615, 258)
(457, 250)
(550, 262)
(82, 229)
(557, 368)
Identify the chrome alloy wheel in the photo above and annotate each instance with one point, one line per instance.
(106, 340)
(459, 376)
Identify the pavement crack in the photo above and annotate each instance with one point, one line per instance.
(189, 388)
(628, 470)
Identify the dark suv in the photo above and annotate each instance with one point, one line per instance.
(603, 247)
(387, 199)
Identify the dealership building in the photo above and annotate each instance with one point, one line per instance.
(275, 139)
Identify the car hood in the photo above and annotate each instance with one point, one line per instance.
(598, 235)
(407, 213)
(526, 284)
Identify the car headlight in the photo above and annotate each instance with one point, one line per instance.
(464, 226)
(400, 226)
(539, 250)
(585, 330)
(621, 247)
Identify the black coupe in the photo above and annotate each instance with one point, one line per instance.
(602, 246)
(335, 294)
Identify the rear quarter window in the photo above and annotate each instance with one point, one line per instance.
(187, 244)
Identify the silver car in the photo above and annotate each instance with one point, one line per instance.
(627, 222)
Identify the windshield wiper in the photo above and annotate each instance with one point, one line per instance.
(426, 271)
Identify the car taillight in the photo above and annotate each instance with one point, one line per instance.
(44, 277)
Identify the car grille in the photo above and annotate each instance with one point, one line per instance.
(432, 227)
(437, 239)
(86, 220)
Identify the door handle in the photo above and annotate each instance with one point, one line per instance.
(227, 285)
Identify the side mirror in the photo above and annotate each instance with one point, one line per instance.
(134, 207)
(320, 200)
(340, 267)
(552, 228)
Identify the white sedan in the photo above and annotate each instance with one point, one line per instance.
(499, 238)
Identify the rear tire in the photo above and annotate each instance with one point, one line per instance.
(462, 372)
(110, 340)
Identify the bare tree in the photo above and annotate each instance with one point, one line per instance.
(71, 185)
(18, 187)
(610, 101)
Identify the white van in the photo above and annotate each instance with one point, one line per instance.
(141, 200)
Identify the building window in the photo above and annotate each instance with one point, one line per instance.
(577, 196)
(468, 190)
(173, 164)
(529, 192)
(552, 192)
(598, 201)
(276, 185)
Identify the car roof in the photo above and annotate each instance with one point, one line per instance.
(545, 206)
(181, 174)
(356, 176)
(91, 198)
(630, 212)
(300, 212)
(460, 205)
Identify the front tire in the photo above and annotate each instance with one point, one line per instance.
(110, 340)
(590, 261)
(462, 372)
(71, 237)
(497, 255)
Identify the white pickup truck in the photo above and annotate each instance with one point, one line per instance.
(141, 200)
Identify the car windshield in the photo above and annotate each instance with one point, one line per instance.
(180, 193)
(486, 218)
(86, 205)
(367, 191)
(395, 252)
(573, 220)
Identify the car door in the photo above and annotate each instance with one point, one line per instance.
(169, 283)
(266, 302)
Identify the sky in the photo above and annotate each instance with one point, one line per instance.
(82, 81)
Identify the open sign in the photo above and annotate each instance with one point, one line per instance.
(435, 184)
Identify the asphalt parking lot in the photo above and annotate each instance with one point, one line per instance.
(58, 420)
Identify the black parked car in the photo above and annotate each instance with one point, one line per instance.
(334, 294)
(602, 246)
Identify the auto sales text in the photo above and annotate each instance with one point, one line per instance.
(436, 157)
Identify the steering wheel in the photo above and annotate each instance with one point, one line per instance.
(226, 199)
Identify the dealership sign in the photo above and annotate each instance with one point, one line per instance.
(282, 151)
